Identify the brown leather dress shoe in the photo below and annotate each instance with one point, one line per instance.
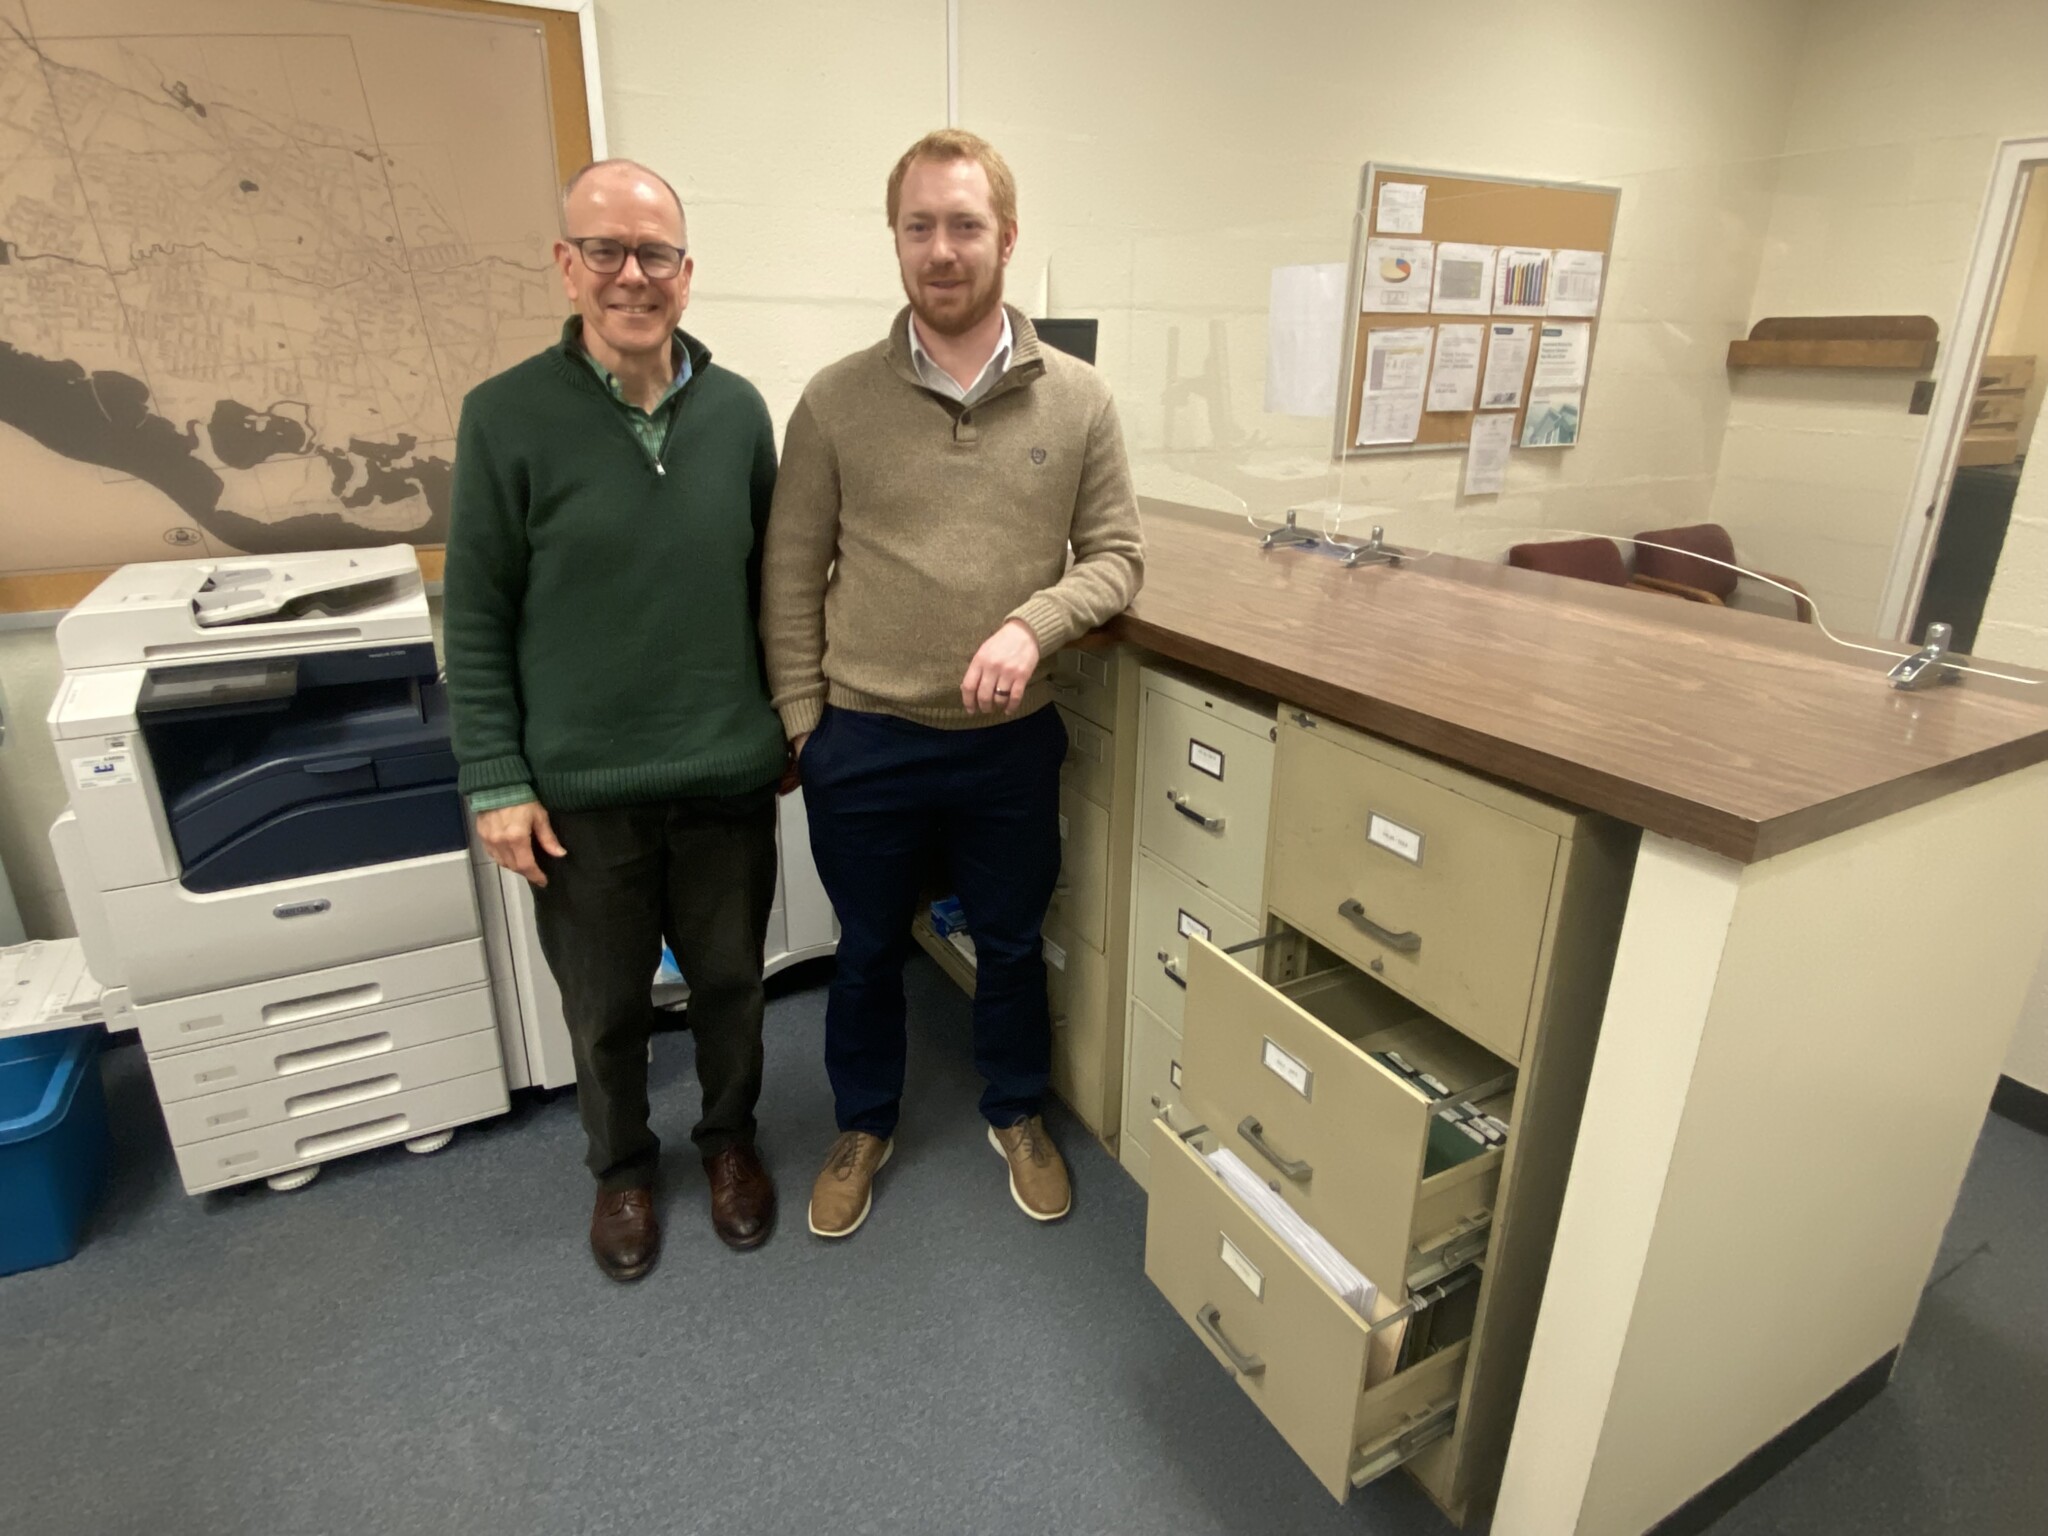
(742, 1197)
(624, 1236)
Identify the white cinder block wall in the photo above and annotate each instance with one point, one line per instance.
(1170, 155)
(1897, 110)
(2015, 628)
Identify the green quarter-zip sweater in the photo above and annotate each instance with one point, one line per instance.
(603, 585)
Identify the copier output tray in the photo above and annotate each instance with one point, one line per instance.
(342, 776)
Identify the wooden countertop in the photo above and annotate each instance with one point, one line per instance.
(1740, 733)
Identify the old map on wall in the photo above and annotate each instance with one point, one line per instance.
(252, 255)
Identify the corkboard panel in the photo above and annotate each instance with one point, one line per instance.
(1470, 210)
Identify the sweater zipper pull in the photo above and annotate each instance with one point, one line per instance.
(661, 469)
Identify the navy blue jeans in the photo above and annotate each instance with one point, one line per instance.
(888, 800)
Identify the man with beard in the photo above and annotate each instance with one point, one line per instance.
(954, 505)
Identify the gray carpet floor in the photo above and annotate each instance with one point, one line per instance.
(421, 1345)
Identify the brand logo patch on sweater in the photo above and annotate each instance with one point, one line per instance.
(1038, 455)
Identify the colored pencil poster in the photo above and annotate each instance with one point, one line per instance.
(1521, 281)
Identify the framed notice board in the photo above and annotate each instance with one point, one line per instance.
(1506, 265)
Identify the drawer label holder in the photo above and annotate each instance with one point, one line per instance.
(1235, 1261)
(1191, 927)
(1402, 842)
(1205, 759)
(1288, 1069)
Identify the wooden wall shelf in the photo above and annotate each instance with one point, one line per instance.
(1838, 341)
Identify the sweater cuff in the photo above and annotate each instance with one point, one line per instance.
(801, 716)
(497, 799)
(493, 773)
(1046, 620)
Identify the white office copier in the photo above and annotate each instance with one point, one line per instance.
(268, 861)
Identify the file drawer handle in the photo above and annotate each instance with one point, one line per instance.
(1172, 971)
(1255, 1137)
(1212, 1324)
(1405, 943)
(1179, 802)
(1063, 687)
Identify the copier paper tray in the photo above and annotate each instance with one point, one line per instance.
(339, 777)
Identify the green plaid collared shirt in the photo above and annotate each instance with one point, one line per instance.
(651, 427)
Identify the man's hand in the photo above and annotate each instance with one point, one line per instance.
(509, 833)
(997, 676)
(790, 782)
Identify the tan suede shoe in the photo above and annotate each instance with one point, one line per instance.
(1038, 1179)
(845, 1190)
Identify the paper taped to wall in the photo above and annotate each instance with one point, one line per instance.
(1304, 339)
(1486, 459)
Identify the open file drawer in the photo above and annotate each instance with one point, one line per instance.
(1318, 1371)
(1286, 1076)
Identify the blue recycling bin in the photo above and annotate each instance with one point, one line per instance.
(53, 1144)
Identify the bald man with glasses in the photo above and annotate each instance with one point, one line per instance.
(610, 717)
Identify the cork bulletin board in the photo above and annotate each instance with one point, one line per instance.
(1498, 212)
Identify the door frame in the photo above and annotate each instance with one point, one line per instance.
(1969, 337)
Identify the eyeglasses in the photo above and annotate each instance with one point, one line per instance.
(657, 258)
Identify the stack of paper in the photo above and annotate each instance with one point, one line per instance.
(1310, 1246)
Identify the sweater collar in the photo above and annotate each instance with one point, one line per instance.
(1027, 361)
(570, 348)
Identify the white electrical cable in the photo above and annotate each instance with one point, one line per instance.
(1818, 622)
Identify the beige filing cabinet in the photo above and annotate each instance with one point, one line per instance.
(1430, 939)
(1086, 927)
(1205, 780)
(1086, 934)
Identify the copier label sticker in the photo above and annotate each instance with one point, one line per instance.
(114, 768)
(1395, 838)
(1243, 1268)
(1205, 759)
(1287, 1069)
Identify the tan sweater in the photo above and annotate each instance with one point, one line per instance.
(907, 528)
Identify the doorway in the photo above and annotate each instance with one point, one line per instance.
(1985, 410)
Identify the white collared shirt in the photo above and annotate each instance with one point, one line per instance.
(937, 379)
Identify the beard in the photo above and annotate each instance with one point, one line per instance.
(957, 318)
